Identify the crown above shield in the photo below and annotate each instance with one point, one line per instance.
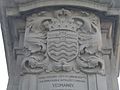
(62, 21)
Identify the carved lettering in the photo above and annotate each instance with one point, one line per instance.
(63, 85)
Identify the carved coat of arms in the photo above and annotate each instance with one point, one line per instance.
(62, 41)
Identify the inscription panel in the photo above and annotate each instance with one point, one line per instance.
(62, 82)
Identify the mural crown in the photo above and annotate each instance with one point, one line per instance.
(63, 21)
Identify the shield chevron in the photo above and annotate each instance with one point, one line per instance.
(62, 45)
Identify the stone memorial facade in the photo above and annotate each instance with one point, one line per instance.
(61, 44)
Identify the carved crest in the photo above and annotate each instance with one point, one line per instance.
(62, 41)
(62, 45)
(62, 38)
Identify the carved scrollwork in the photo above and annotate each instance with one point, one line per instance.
(63, 42)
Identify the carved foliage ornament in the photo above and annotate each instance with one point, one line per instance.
(63, 41)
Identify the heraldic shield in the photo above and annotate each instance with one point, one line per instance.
(62, 45)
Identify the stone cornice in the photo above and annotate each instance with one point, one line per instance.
(12, 11)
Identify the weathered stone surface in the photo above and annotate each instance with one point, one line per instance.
(61, 45)
(63, 41)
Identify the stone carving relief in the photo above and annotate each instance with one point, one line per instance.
(63, 41)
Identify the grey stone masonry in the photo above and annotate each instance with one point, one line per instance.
(61, 44)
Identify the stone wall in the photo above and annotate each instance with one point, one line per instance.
(61, 45)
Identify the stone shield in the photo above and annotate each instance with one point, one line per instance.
(62, 45)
